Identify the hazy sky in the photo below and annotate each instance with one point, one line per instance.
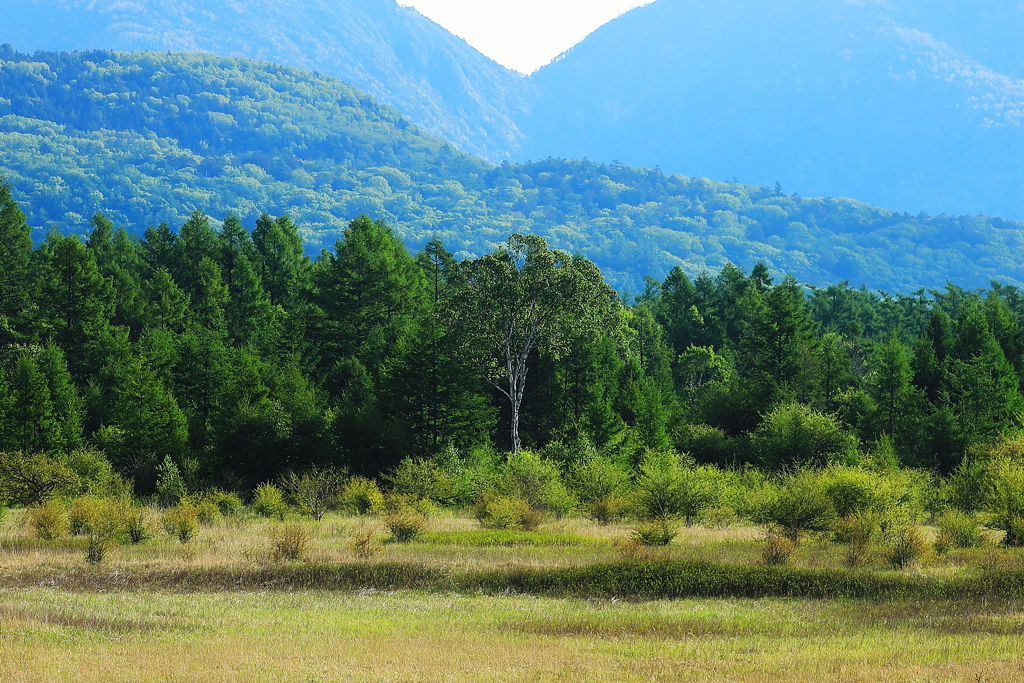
(522, 34)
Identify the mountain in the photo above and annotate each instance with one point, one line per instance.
(152, 137)
(393, 52)
(909, 104)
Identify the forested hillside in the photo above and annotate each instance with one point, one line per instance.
(394, 52)
(149, 138)
(239, 358)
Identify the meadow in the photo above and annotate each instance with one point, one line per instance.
(461, 603)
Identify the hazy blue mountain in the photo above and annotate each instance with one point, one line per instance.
(151, 137)
(404, 59)
(909, 104)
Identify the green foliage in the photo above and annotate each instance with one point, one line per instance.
(361, 496)
(181, 521)
(502, 512)
(315, 491)
(906, 546)
(793, 434)
(48, 520)
(795, 506)
(268, 501)
(526, 476)
(1005, 499)
(958, 530)
(659, 532)
(777, 550)
(30, 479)
(170, 485)
(405, 523)
(667, 490)
(602, 487)
(290, 543)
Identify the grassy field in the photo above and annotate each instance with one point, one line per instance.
(61, 620)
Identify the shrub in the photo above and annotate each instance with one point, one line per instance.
(907, 546)
(502, 512)
(526, 476)
(364, 545)
(315, 491)
(958, 530)
(655, 533)
(793, 434)
(1005, 499)
(137, 527)
(207, 512)
(96, 548)
(601, 486)
(852, 490)
(796, 506)
(90, 515)
(667, 490)
(405, 523)
(48, 521)
(33, 479)
(290, 543)
(181, 522)
(361, 496)
(425, 479)
(857, 532)
(170, 485)
(776, 550)
(227, 503)
(268, 501)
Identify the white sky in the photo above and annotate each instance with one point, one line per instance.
(522, 34)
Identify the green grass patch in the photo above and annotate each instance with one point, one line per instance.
(631, 580)
(508, 538)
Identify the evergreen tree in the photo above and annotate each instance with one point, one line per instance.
(15, 268)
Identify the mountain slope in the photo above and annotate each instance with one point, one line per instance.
(393, 52)
(151, 137)
(909, 104)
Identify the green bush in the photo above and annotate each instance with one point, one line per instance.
(137, 527)
(48, 520)
(170, 485)
(502, 512)
(405, 523)
(361, 496)
(228, 504)
(655, 533)
(290, 543)
(667, 490)
(857, 532)
(207, 512)
(315, 491)
(796, 506)
(526, 476)
(268, 501)
(90, 515)
(181, 522)
(1004, 499)
(852, 490)
(958, 530)
(793, 434)
(32, 479)
(907, 546)
(776, 550)
(602, 487)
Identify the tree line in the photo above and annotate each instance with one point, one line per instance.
(240, 359)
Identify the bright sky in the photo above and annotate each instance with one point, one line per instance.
(522, 34)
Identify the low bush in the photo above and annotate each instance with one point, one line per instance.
(777, 550)
(364, 545)
(137, 526)
(655, 533)
(796, 506)
(361, 496)
(315, 491)
(502, 512)
(602, 487)
(290, 543)
(207, 512)
(857, 532)
(538, 482)
(181, 522)
(227, 504)
(268, 501)
(907, 546)
(48, 521)
(958, 530)
(405, 523)
(509, 538)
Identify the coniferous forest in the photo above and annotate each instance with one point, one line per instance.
(228, 351)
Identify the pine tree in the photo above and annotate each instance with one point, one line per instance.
(15, 268)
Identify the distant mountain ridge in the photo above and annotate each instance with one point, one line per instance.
(391, 51)
(150, 137)
(909, 104)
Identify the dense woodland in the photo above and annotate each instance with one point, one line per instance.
(241, 359)
(151, 137)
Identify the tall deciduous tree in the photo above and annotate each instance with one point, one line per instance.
(526, 296)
